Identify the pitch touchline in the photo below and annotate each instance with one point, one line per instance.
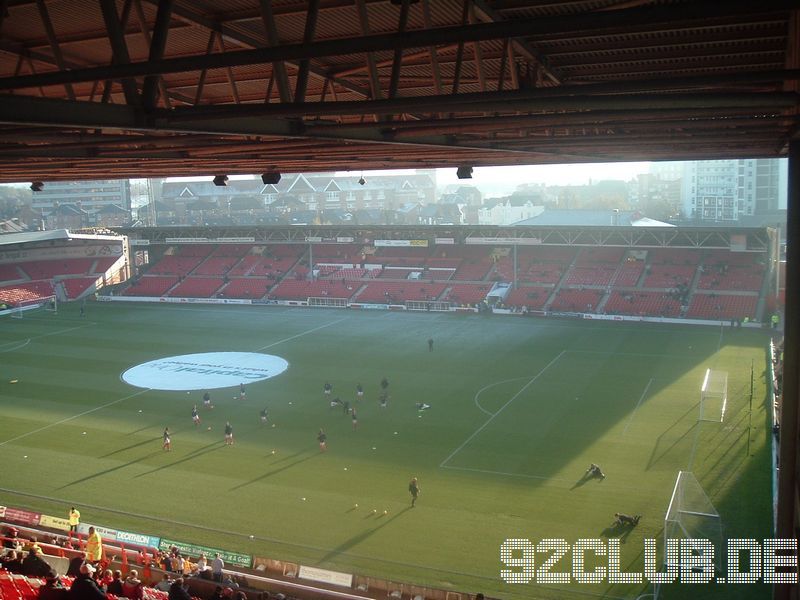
(490, 419)
(86, 412)
(635, 408)
(301, 334)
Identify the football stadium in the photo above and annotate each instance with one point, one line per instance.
(328, 387)
(497, 404)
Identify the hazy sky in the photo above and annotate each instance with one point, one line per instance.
(506, 179)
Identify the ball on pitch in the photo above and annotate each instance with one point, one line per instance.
(273, 451)
(386, 512)
(252, 537)
(303, 498)
(355, 505)
(374, 510)
(208, 428)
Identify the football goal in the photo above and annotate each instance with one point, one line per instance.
(714, 396)
(47, 303)
(691, 515)
(428, 306)
(327, 302)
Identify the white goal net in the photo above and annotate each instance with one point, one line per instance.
(47, 303)
(714, 396)
(325, 301)
(427, 305)
(691, 515)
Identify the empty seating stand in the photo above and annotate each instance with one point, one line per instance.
(197, 287)
(251, 288)
(400, 292)
(534, 298)
(300, 289)
(576, 300)
(724, 307)
(151, 285)
(643, 304)
(76, 287)
(467, 293)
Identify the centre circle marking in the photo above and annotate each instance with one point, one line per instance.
(206, 371)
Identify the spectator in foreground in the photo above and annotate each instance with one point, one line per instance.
(52, 588)
(12, 562)
(177, 591)
(34, 565)
(217, 595)
(132, 586)
(74, 568)
(84, 587)
(164, 584)
(115, 585)
(12, 540)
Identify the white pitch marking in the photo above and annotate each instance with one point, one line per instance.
(301, 334)
(490, 419)
(486, 387)
(86, 412)
(43, 335)
(633, 414)
(19, 345)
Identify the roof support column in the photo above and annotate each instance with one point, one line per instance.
(787, 474)
(120, 49)
(158, 43)
(308, 36)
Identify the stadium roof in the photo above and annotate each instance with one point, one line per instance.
(11, 239)
(125, 88)
(589, 218)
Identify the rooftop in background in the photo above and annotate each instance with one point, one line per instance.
(516, 83)
(590, 218)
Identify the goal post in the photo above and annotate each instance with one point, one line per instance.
(714, 396)
(325, 301)
(691, 515)
(432, 306)
(46, 303)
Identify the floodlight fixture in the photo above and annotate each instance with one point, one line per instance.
(464, 172)
(271, 177)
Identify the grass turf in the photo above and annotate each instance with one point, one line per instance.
(519, 408)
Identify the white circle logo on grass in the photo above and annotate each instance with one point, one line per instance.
(205, 371)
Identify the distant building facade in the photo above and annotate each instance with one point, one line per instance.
(87, 198)
(727, 190)
(297, 198)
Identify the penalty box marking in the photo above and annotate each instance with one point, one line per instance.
(492, 415)
(501, 409)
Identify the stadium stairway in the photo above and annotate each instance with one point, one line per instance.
(358, 292)
(601, 306)
(560, 284)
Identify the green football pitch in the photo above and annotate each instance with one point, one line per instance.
(518, 410)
